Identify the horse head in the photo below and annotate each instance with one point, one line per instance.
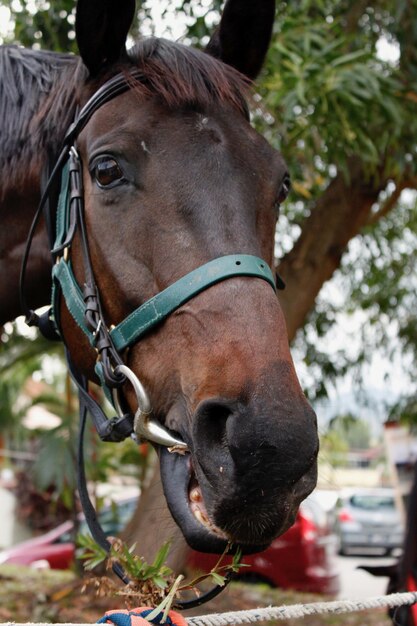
(175, 176)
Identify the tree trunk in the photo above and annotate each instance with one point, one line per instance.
(338, 216)
(152, 525)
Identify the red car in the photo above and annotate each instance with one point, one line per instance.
(55, 549)
(303, 558)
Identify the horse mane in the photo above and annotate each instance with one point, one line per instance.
(183, 76)
(30, 131)
(41, 90)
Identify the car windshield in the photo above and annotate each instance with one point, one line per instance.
(371, 502)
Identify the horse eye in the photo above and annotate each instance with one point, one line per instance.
(284, 189)
(107, 172)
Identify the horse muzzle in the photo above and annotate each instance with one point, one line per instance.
(243, 480)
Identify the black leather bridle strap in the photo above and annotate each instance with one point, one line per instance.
(30, 315)
(112, 88)
(94, 319)
(88, 508)
(112, 430)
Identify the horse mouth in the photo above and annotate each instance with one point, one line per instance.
(198, 507)
(186, 503)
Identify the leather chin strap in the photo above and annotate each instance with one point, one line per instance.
(84, 303)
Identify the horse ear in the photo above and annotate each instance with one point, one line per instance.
(101, 28)
(243, 35)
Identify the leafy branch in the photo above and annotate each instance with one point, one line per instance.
(149, 583)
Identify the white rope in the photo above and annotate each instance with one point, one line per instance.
(301, 610)
(285, 612)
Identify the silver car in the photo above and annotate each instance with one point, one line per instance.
(368, 518)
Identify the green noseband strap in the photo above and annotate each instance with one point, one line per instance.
(160, 306)
(164, 303)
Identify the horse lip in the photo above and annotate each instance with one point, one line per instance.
(175, 474)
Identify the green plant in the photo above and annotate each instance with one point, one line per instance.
(153, 583)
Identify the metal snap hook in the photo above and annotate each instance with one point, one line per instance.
(144, 425)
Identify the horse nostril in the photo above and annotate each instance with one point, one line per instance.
(211, 446)
(210, 423)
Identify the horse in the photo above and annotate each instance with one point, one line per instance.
(166, 192)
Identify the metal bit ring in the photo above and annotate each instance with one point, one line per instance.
(144, 425)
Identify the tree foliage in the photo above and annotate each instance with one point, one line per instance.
(19, 359)
(334, 98)
(345, 119)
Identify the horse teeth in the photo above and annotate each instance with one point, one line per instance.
(195, 495)
(199, 515)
